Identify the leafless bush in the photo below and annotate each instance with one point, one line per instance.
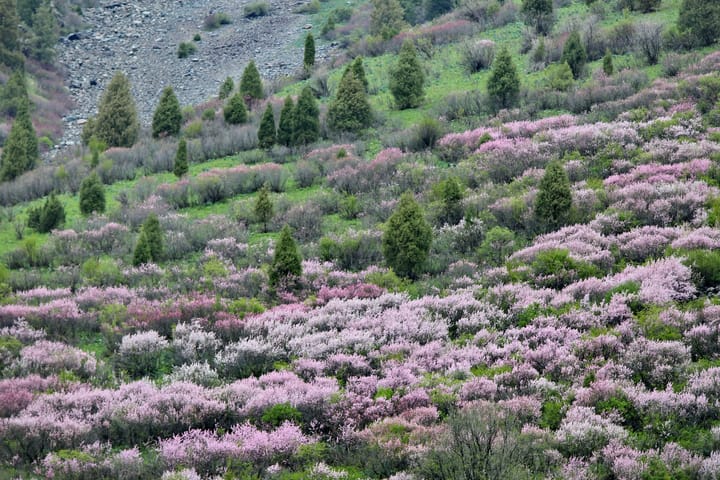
(478, 55)
(649, 41)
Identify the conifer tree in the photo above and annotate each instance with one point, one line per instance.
(226, 88)
(700, 21)
(153, 236)
(285, 126)
(235, 111)
(554, 198)
(116, 123)
(574, 54)
(20, 152)
(92, 195)
(539, 14)
(608, 66)
(407, 238)
(142, 253)
(180, 167)
(167, 118)
(13, 93)
(267, 135)
(250, 83)
(387, 18)
(26, 9)
(504, 83)
(52, 215)
(451, 196)
(435, 8)
(357, 68)
(407, 78)
(286, 261)
(264, 206)
(45, 26)
(306, 119)
(9, 26)
(350, 110)
(309, 53)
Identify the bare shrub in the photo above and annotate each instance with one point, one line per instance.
(477, 55)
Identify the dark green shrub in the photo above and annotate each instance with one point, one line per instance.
(256, 9)
(185, 49)
(281, 413)
(251, 83)
(92, 195)
(407, 78)
(235, 111)
(286, 261)
(407, 238)
(116, 123)
(167, 118)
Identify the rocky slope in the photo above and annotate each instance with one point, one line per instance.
(141, 37)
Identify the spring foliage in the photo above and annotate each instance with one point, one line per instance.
(407, 238)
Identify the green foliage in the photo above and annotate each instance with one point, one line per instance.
(407, 78)
(267, 135)
(608, 66)
(167, 119)
(538, 14)
(551, 414)
(92, 195)
(309, 52)
(13, 94)
(286, 261)
(185, 49)
(256, 9)
(557, 269)
(197, 37)
(149, 247)
(357, 68)
(226, 88)
(251, 83)
(620, 403)
(451, 195)
(8, 25)
(554, 199)
(407, 238)
(116, 123)
(50, 216)
(306, 119)
(559, 76)
(435, 8)
(264, 206)
(700, 21)
(281, 413)
(180, 167)
(705, 266)
(285, 126)
(349, 111)
(20, 152)
(498, 244)
(235, 111)
(386, 19)
(574, 54)
(45, 28)
(504, 82)
(708, 93)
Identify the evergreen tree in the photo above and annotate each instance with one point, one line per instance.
(387, 18)
(142, 253)
(226, 88)
(538, 14)
(117, 123)
(92, 195)
(250, 83)
(306, 119)
(10, 55)
(359, 70)
(608, 66)
(167, 118)
(235, 111)
(451, 196)
(13, 93)
(309, 53)
(180, 167)
(554, 198)
(20, 152)
(52, 215)
(46, 30)
(285, 126)
(350, 110)
(26, 10)
(286, 261)
(407, 78)
(407, 238)
(264, 206)
(574, 54)
(435, 8)
(504, 83)
(153, 236)
(700, 21)
(267, 136)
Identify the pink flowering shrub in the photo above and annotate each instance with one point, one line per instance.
(46, 358)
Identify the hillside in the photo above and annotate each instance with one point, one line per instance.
(460, 240)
